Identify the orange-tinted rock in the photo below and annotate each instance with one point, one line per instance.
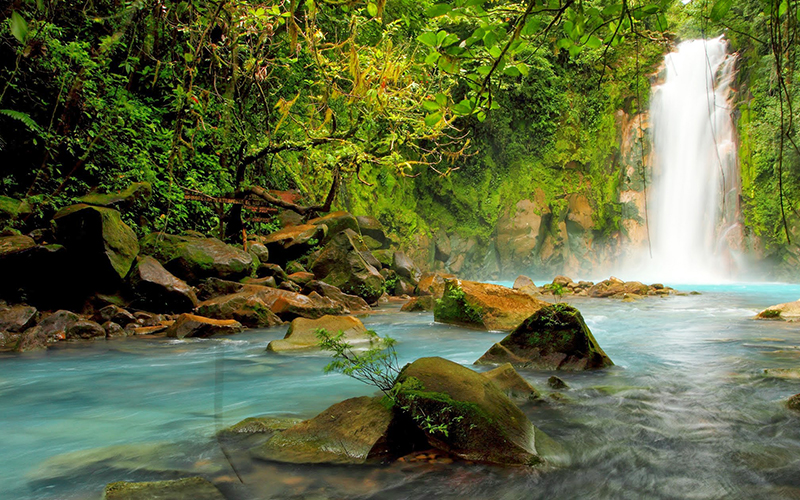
(302, 333)
(190, 325)
(433, 284)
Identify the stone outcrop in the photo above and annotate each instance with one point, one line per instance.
(85, 329)
(789, 311)
(293, 242)
(302, 336)
(616, 287)
(190, 325)
(136, 192)
(349, 303)
(158, 290)
(433, 284)
(484, 306)
(97, 238)
(482, 423)
(246, 307)
(405, 267)
(347, 264)
(192, 258)
(17, 318)
(553, 338)
(506, 378)
(336, 222)
(421, 303)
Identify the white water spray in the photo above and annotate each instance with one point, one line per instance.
(694, 197)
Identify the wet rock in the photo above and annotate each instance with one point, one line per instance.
(433, 284)
(371, 227)
(145, 318)
(336, 222)
(17, 318)
(136, 192)
(403, 287)
(10, 245)
(421, 303)
(245, 307)
(272, 270)
(789, 311)
(556, 383)
(385, 257)
(616, 287)
(215, 287)
(156, 289)
(290, 286)
(192, 258)
(349, 303)
(32, 339)
(485, 306)
(301, 278)
(191, 488)
(190, 325)
(98, 239)
(482, 424)
(50, 329)
(355, 431)
(113, 329)
(115, 314)
(302, 334)
(346, 264)
(295, 267)
(85, 329)
(405, 267)
(269, 281)
(261, 425)
(292, 242)
(553, 338)
(506, 378)
(285, 304)
(794, 403)
(259, 251)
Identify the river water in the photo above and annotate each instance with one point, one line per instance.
(687, 412)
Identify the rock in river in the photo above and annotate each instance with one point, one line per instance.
(554, 338)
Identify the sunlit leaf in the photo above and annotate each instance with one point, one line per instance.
(511, 71)
(429, 105)
(441, 99)
(372, 9)
(575, 50)
(593, 42)
(531, 26)
(428, 38)
(450, 39)
(432, 57)
(720, 8)
(432, 119)
(523, 68)
(783, 8)
(489, 39)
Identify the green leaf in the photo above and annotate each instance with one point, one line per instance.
(432, 119)
(428, 38)
(612, 10)
(650, 9)
(24, 118)
(575, 50)
(450, 39)
(441, 99)
(523, 69)
(489, 39)
(481, 116)
(19, 27)
(429, 105)
(432, 57)
(564, 43)
(720, 8)
(465, 107)
(372, 9)
(593, 42)
(440, 36)
(783, 8)
(531, 26)
(483, 70)
(437, 10)
(511, 71)
(495, 51)
(568, 28)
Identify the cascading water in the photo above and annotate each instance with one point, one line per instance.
(694, 197)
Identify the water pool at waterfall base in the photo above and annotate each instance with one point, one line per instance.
(687, 412)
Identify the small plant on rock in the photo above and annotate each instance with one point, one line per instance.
(375, 366)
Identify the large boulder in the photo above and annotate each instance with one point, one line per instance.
(17, 318)
(789, 311)
(158, 290)
(245, 307)
(350, 303)
(433, 284)
(85, 329)
(421, 303)
(615, 287)
(190, 488)
(190, 325)
(302, 333)
(137, 191)
(283, 303)
(292, 242)
(405, 267)
(11, 208)
(355, 431)
(466, 414)
(192, 258)
(14, 244)
(554, 338)
(348, 265)
(336, 222)
(50, 329)
(98, 238)
(372, 228)
(485, 306)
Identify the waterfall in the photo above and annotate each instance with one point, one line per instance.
(694, 197)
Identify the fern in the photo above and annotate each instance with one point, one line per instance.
(24, 118)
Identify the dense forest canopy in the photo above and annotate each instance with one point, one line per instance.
(424, 114)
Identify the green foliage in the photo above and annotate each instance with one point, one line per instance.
(376, 365)
(455, 307)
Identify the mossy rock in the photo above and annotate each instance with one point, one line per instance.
(418, 304)
(465, 413)
(348, 265)
(302, 336)
(138, 191)
(789, 311)
(261, 425)
(794, 403)
(554, 338)
(98, 237)
(193, 258)
(190, 488)
(336, 223)
(506, 378)
(11, 208)
(158, 290)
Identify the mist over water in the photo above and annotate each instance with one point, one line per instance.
(693, 201)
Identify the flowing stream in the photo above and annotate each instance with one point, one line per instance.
(694, 208)
(687, 412)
